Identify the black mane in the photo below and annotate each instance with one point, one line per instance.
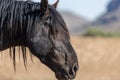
(15, 24)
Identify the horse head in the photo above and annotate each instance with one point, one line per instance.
(49, 40)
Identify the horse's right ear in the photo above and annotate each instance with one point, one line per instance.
(44, 7)
(55, 4)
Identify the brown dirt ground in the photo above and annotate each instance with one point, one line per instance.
(98, 59)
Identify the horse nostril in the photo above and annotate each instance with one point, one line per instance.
(73, 71)
(75, 67)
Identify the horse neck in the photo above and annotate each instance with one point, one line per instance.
(15, 23)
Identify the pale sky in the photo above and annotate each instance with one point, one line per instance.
(89, 9)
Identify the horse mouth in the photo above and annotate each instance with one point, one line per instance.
(65, 79)
(63, 76)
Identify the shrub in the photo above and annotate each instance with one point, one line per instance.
(94, 32)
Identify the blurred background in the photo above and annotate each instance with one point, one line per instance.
(95, 35)
(93, 17)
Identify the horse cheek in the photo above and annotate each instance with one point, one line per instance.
(40, 47)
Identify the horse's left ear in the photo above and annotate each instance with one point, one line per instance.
(44, 7)
(55, 4)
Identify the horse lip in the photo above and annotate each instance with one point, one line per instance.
(65, 77)
(60, 76)
(69, 77)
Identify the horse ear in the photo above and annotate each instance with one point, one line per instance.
(44, 7)
(55, 4)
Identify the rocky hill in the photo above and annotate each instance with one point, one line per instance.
(74, 22)
(109, 21)
(113, 5)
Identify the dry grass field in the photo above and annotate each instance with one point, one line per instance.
(99, 59)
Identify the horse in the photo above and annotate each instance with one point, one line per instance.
(40, 28)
